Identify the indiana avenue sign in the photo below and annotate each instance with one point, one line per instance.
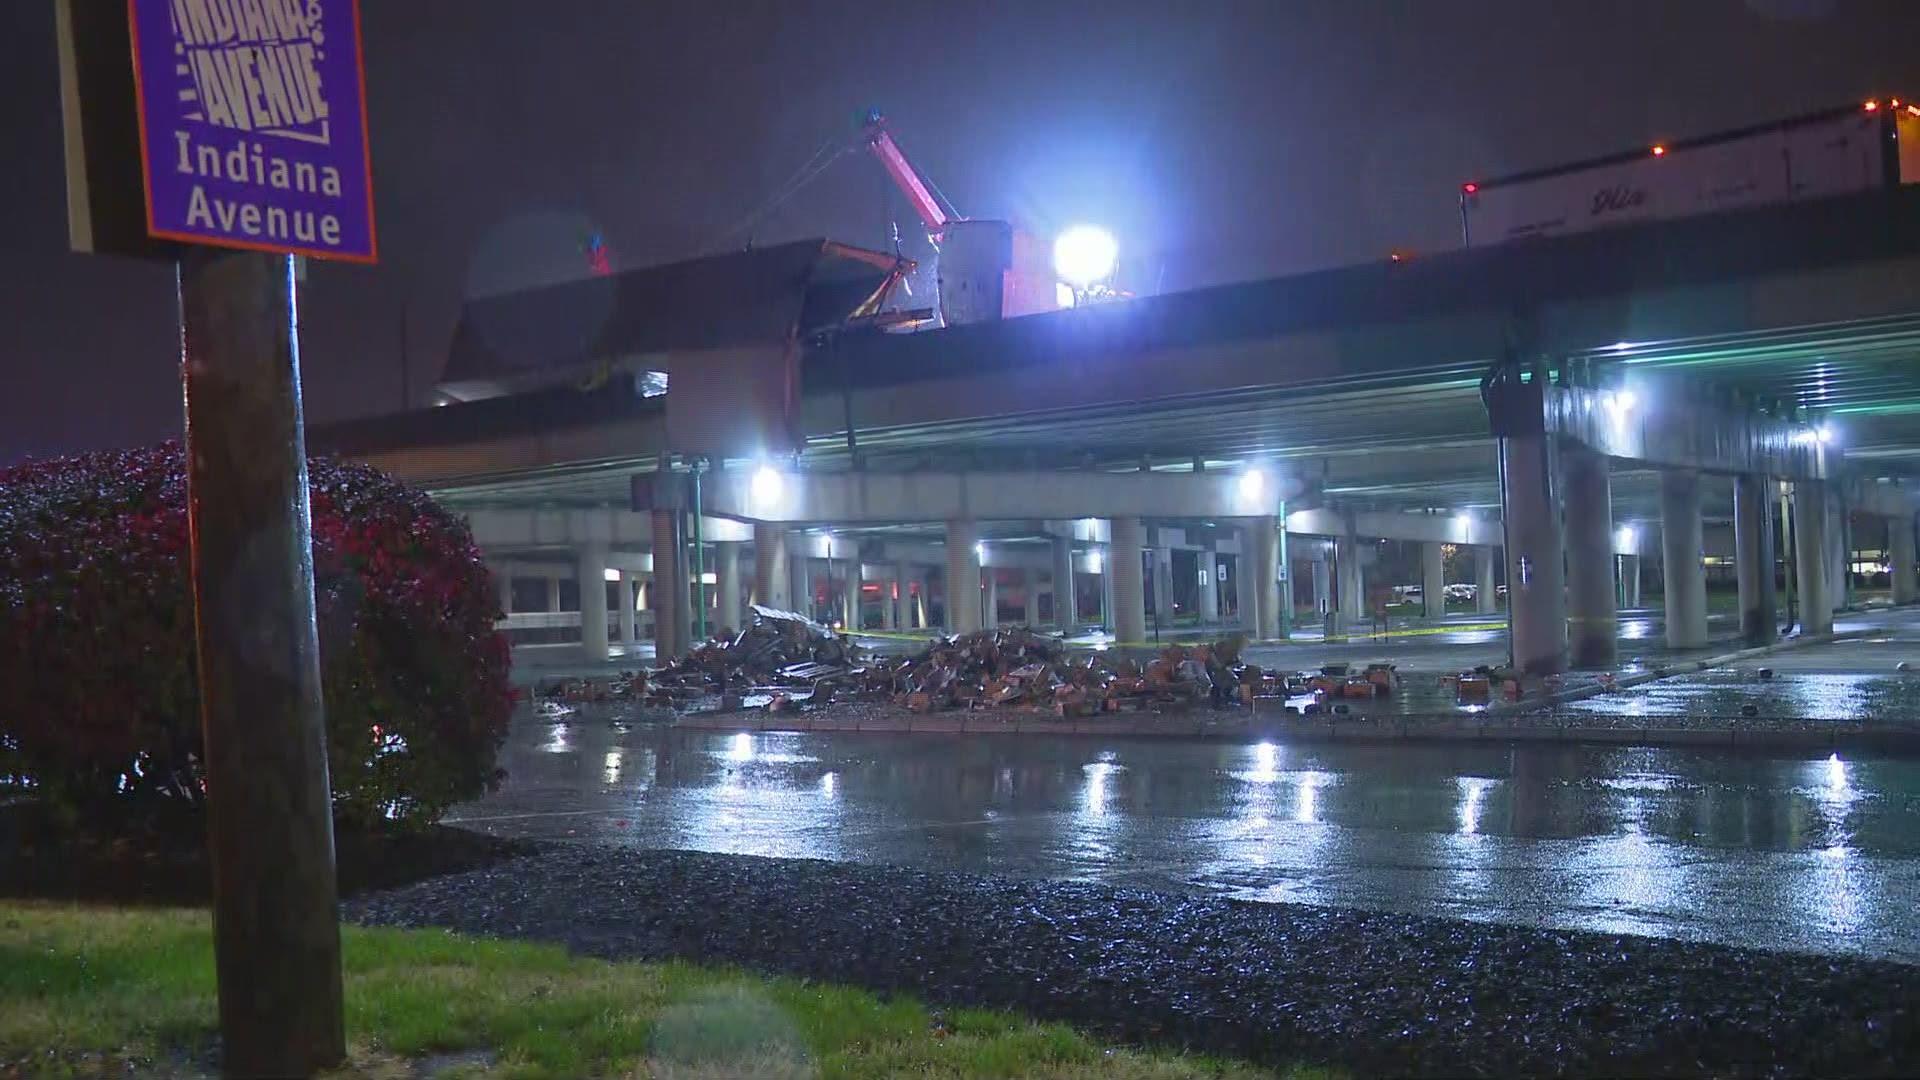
(253, 125)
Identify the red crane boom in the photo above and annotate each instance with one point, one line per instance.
(917, 191)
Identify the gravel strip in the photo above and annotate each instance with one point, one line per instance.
(1377, 993)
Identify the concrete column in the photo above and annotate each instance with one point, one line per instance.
(1106, 587)
(1753, 559)
(1630, 579)
(1900, 553)
(1066, 614)
(888, 607)
(1433, 580)
(553, 594)
(903, 604)
(920, 602)
(1680, 551)
(1486, 591)
(629, 613)
(590, 564)
(771, 578)
(850, 599)
(1810, 556)
(670, 630)
(1129, 588)
(1243, 590)
(680, 586)
(1262, 568)
(1536, 555)
(1838, 553)
(1208, 582)
(1322, 585)
(1351, 582)
(1162, 580)
(963, 576)
(1593, 621)
(990, 598)
(503, 591)
(726, 573)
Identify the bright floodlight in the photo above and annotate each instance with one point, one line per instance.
(767, 484)
(1093, 562)
(1253, 483)
(1627, 537)
(1085, 254)
(979, 551)
(1824, 434)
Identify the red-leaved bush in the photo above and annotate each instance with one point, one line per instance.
(99, 708)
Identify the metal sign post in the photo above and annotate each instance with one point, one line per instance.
(240, 126)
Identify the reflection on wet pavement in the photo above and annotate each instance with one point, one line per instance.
(1816, 853)
(1874, 679)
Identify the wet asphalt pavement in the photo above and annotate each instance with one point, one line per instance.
(1806, 853)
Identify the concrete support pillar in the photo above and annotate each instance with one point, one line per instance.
(1162, 580)
(553, 594)
(1810, 556)
(670, 606)
(1630, 579)
(1536, 555)
(1243, 583)
(1066, 614)
(903, 603)
(1486, 591)
(628, 592)
(1838, 555)
(1900, 553)
(1838, 552)
(771, 577)
(1680, 552)
(1208, 582)
(889, 607)
(591, 568)
(1322, 586)
(726, 573)
(850, 598)
(990, 598)
(1593, 622)
(1351, 582)
(963, 576)
(1129, 588)
(503, 591)
(1106, 587)
(1262, 569)
(1753, 559)
(1026, 596)
(1433, 580)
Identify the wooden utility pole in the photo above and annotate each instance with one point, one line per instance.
(270, 812)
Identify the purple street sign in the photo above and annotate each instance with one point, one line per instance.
(253, 124)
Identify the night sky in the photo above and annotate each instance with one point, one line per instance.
(1219, 141)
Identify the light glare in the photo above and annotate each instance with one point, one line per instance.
(767, 484)
(1085, 254)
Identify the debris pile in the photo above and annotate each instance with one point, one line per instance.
(781, 656)
(1020, 670)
